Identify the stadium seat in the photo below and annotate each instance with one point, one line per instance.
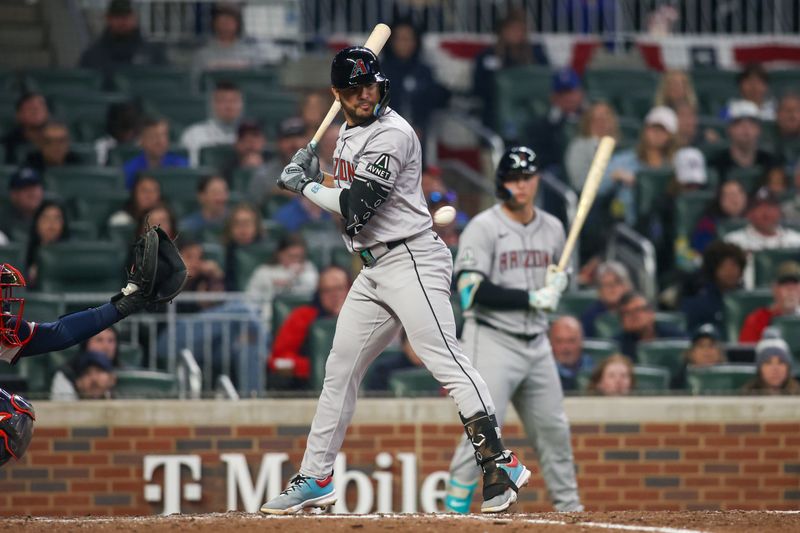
(14, 253)
(629, 129)
(252, 82)
(737, 305)
(750, 178)
(130, 355)
(599, 349)
(689, 208)
(651, 378)
(714, 87)
(85, 111)
(343, 258)
(726, 226)
(182, 110)
(784, 81)
(575, 302)
(240, 180)
(38, 373)
(54, 80)
(612, 82)
(789, 326)
(217, 156)
(635, 104)
(271, 108)
(606, 326)
(664, 353)
(214, 251)
(282, 307)
(320, 340)
(767, 261)
(143, 81)
(719, 379)
(248, 258)
(650, 185)
(145, 384)
(75, 266)
(413, 382)
(521, 94)
(82, 230)
(84, 182)
(675, 319)
(96, 210)
(179, 184)
(274, 203)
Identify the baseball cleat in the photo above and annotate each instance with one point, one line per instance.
(302, 493)
(459, 496)
(518, 474)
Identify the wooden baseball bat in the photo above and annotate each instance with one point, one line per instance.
(378, 37)
(588, 194)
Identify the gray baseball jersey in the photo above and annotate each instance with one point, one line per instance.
(516, 256)
(511, 255)
(388, 152)
(408, 287)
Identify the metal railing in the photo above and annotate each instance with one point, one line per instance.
(614, 20)
(638, 255)
(190, 377)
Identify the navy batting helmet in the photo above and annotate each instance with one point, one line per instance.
(515, 161)
(16, 426)
(357, 65)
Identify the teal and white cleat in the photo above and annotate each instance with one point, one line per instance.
(459, 496)
(517, 474)
(302, 493)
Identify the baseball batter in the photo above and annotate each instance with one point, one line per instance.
(503, 259)
(405, 282)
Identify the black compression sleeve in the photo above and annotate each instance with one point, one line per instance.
(497, 297)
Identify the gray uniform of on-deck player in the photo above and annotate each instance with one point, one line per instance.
(409, 287)
(516, 256)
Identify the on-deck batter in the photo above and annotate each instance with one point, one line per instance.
(503, 258)
(405, 283)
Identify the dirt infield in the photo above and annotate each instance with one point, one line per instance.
(649, 522)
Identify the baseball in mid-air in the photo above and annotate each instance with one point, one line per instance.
(444, 215)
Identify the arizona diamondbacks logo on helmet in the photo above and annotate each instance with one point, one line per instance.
(359, 69)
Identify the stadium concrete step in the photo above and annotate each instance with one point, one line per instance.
(21, 36)
(13, 12)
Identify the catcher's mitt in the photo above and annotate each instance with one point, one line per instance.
(157, 275)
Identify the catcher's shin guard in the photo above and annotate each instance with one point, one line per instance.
(484, 434)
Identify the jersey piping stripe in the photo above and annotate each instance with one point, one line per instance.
(444, 339)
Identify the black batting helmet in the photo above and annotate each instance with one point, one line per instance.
(358, 65)
(515, 161)
(16, 426)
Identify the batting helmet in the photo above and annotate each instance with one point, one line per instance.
(11, 307)
(16, 426)
(517, 160)
(357, 65)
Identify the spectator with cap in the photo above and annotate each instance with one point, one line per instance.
(121, 44)
(54, 149)
(723, 270)
(612, 281)
(226, 106)
(785, 301)
(227, 49)
(25, 194)
(550, 134)
(744, 133)
(106, 343)
(753, 84)
(30, 117)
(597, 121)
(566, 339)
(612, 377)
(704, 351)
(764, 230)
(638, 323)
(512, 49)
(154, 140)
(655, 150)
(730, 205)
(774, 369)
(208, 221)
(95, 377)
(291, 137)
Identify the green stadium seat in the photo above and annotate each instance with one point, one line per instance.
(274, 203)
(14, 253)
(38, 373)
(143, 81)
(521, 94)
(181, 110)
(664, 353)
(130, 355)
(726, 226)
(214, 251)
(599, 349)
(240, 180)
(575, 302)
(145, 384)
(282, 307)
(250, 257)
(320, 340)
(635, 104)
(650, 185)
(651, 378)
(82, 230)
(55, 80)
(81, 267)
(84, 182)
(341, 257)
(41, 307)
(217, 156)
(750, 178)
(85, 111)
(767, 261)
(675, 319)
(789, 327)
(179, 184)
(252, 82)
(784, 81)
(121, 234)
(737, 305)
(122, 153)
(606, 326)
(714, 87)
(612, 82)
(719, 379)
(689, 208)
(96, 210)
(413, 382)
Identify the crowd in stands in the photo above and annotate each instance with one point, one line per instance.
(713, 186)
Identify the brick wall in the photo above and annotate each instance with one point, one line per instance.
(728, 464)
